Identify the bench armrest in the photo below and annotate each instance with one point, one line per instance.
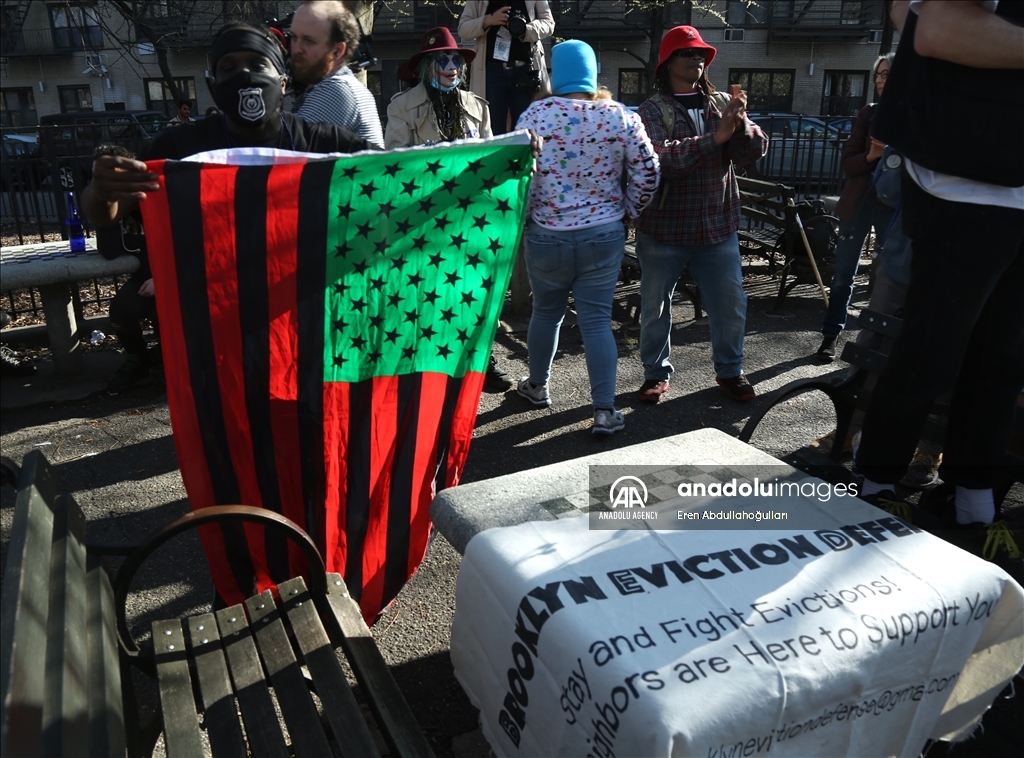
(202, 517)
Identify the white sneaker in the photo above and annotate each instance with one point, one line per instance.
(608, 421)
(538, 396)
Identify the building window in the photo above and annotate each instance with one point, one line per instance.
(75, 27)
(845, 93)
(18, 107)
(770, 90)
(75, 98)
(160, 98)
(631, 86)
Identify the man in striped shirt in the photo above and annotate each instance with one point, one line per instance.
(323, 37)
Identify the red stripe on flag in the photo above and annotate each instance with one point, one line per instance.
(432, 392)
(336, 424)
(181, 403)
(282, 261)
(382, 457)
(222, 296)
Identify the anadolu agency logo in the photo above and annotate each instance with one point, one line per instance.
(626, 491)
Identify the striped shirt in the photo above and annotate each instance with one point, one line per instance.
(341, 99)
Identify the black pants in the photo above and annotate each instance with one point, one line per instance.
(963, 330)
(128, 310)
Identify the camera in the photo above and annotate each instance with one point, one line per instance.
(529, 80)
(517, 22)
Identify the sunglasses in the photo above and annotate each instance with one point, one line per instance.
(691, 52)
(442, 61)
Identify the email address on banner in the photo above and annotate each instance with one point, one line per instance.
(731, 515)
(878, 705)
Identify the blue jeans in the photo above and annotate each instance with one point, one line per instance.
(503, 95)
(869, 212)
(716, 270)
(585, 261)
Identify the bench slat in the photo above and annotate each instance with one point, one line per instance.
(864, 357)
(297, 706)
(181, 723)
(880, 323)
(65, 704)
(24, 608)
(340, 706)
(220, 714)
(346, 626)
(106, 707)
(261, 724)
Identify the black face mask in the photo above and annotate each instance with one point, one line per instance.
(249, 99)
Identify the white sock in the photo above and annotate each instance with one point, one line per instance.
(975, 505)
(871, 488)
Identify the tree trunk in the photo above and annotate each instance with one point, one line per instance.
(887, 29)
(363, 11)
(657, 32)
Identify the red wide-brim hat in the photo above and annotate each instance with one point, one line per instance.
(438, 39)
(683, 38)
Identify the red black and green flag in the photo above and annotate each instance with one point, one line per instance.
(326, 323)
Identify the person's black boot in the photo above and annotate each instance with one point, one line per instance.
(496, 379)
(827, 352)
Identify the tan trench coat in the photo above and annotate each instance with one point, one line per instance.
(471, 27)
(410, 122)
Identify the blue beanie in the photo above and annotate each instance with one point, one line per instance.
(573, 68)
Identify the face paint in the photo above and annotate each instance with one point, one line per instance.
(447, 68)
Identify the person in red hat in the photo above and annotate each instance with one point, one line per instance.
(438, 109)
(698, 134)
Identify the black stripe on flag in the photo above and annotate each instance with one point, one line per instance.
(254, 319)
(311, 281)
(358, 461)
(453, 387)
(396, 567)
(183, 189)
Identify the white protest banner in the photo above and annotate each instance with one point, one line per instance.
(863, 638)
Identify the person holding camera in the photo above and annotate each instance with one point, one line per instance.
(509, 68)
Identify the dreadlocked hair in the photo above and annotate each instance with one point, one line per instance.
(664, 85)
(446, 110)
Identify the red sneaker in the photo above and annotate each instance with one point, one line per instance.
(652, 390)
(738, 386)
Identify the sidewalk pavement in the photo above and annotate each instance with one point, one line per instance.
(117, 455)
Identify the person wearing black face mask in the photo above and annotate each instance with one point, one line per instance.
(247, 81)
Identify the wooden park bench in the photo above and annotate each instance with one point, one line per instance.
(772, 229)
(236, 682)
(850, 394)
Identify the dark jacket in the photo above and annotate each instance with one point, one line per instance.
(924, 98)
(855, 164)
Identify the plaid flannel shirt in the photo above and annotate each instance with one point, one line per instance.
(702, 206)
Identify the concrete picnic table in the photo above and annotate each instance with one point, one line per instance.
(53, 268)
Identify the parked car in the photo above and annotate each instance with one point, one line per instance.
(68, 139)
(21, 161)
(803, 150)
